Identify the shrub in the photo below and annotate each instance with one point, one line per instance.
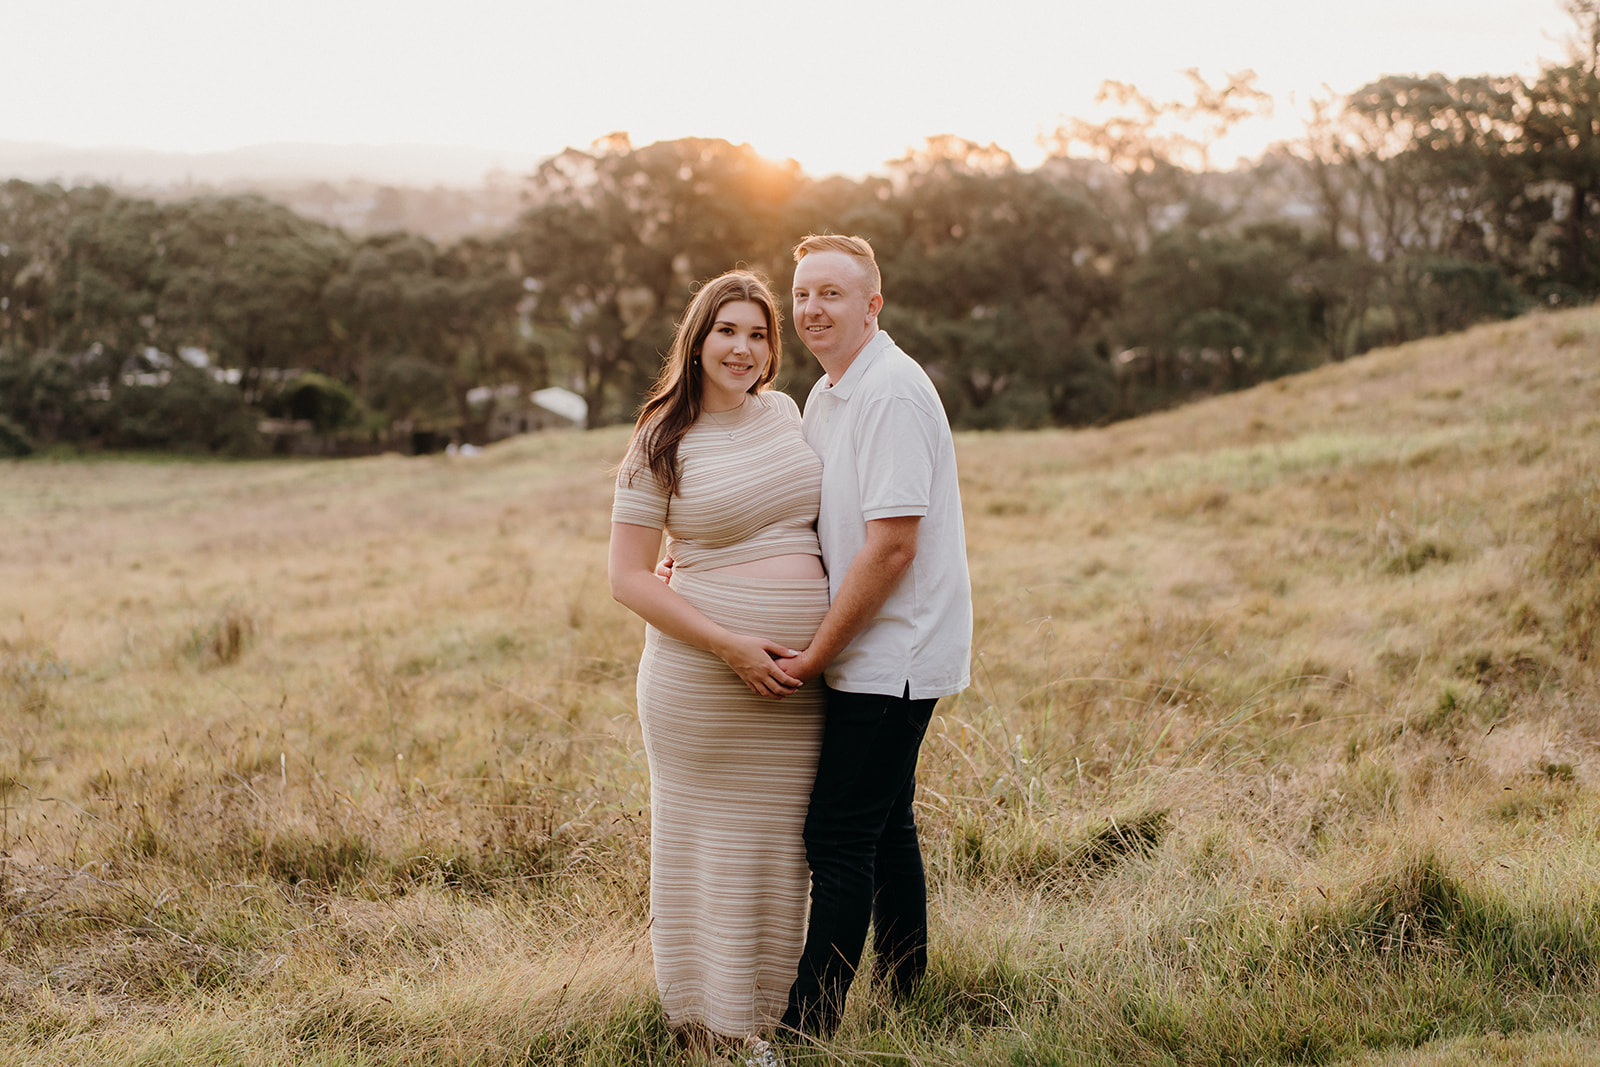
(326, 403)
(40, 399)
(13, 442)
(192, 412)
(1452, 294)
(222, 640)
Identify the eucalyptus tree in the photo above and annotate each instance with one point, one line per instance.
(78, 273)
(34, 222)
(243, 279)
(1561, 142)
(72, 264)
(480, 296)
(420, 326)
(616, 236)
(998, 279)
(377, 304)
(1562, 138)
(1218, 309)
(1147, 159)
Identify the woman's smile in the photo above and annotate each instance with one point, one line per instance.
(733, 355)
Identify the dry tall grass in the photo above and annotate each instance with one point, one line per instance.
(1281, 747)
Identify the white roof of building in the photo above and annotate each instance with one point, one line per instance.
(563, 402)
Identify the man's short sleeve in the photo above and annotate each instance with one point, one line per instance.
(896, 441)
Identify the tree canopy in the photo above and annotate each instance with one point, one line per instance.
(1123, 274)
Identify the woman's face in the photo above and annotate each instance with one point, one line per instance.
(734, 355)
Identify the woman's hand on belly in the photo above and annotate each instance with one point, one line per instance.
(754, 660)
(634, 584)
(791, 565)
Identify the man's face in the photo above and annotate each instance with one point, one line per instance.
(835, 309)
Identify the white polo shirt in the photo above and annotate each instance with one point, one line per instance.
(886, 451)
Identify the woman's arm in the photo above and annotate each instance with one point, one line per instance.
(634, 585)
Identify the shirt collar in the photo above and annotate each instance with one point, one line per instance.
(870, 352)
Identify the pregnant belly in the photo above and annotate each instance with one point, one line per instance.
(793, 565)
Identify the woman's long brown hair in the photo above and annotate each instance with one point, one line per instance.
(673, 403)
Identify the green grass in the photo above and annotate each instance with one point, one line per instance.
(1280, 747)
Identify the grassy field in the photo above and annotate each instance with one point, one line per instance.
(1282, 745)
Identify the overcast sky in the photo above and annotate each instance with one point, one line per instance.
(839, 85)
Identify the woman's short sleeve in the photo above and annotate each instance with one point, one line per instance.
(639, 500)
(785, 403)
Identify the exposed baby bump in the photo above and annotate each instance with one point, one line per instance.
(784, 565)
(785, 609)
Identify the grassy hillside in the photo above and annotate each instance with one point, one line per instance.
(1281, 747)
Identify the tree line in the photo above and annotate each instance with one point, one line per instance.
(1122, 275)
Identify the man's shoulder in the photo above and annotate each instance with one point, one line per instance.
(892, 355)
(894, 374)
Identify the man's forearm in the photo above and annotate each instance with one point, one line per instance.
(872, 576)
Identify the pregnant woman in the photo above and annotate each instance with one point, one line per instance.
(718, 462)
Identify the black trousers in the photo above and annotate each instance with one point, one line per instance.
(866, 865)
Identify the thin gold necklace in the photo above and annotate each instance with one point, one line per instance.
(723, 426)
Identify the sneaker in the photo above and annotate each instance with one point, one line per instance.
(758, 1053)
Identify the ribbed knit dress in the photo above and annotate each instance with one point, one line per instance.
(730, 772)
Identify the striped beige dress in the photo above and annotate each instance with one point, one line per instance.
(730, 772)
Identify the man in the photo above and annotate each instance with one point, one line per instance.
(897, 636)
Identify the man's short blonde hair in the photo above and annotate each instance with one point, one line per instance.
(850, 246)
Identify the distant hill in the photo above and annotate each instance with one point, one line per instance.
(399, 164)
(442, 191)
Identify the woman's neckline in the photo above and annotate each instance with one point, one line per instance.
(729, 421)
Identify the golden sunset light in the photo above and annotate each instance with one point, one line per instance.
(837, 86)
(632, 533)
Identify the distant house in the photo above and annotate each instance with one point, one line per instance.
(152, 367)
(514, 412)
(562, 404)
